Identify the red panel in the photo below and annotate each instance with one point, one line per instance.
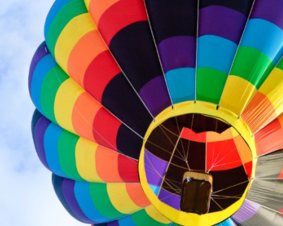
(120, 15)
(188, 134)
(281, 175)
(269, 139)
(248, 168)
(128, 169)
(222, 155)
(105, 129)
(99, 73)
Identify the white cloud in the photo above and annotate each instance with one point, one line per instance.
(26, 194)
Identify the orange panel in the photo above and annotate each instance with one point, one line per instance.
(243, 149)
(83, 115)
(98, 7)
(137, 195)
(259, 112)
(280, 119)
(107, 164)
(88, 48)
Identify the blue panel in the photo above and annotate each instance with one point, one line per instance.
(57, 6)
(155, 189)
(265, 37)
(40, 72)
(52, 135)
(227, 222)
(181, 84)
(126, 221)
(84, 199)
(215, 52)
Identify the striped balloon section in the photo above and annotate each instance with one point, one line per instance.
(108, 68)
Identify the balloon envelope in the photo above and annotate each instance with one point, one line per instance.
(132, 95)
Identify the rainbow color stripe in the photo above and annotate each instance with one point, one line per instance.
(109, 68)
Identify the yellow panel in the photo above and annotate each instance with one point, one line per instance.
(236, 94)
(154, 214)
(70, 35)
(240, 126)
(65, 100)
(87, 3)
(120, 199)
(272, 88)
(274, 79)
(85, 159)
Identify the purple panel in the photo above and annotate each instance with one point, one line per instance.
(270, 10)
(41, 52)
(222, 21)
(155, 95)
(177, 52)
(170, 198)
(113, 223)
(68, 193)
(247, 211)
(154, 168)
(39, 131)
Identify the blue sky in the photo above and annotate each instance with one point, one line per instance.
(26, 193)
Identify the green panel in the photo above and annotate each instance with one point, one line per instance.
(210, 84)
(280, 64)
(100, 197)
(252, 65)
(141, 218)
(67, 12)
(50, 86)
(66, 152)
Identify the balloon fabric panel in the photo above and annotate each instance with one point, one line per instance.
(131, 95)
(217, 44)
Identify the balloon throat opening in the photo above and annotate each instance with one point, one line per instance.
(200, 145)
(196, 164)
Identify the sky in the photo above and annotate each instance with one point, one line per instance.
(27, 197)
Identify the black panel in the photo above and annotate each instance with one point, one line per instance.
(202, 123)
(135, 52)
(128, 142)
(196, 155)
(161, 143)
(242, 6)
(172, 18)
(173, 179)
(229, 183)
(124, 103)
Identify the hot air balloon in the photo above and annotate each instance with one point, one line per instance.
(162, 112)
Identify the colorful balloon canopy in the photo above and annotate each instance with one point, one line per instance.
(132, 95)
